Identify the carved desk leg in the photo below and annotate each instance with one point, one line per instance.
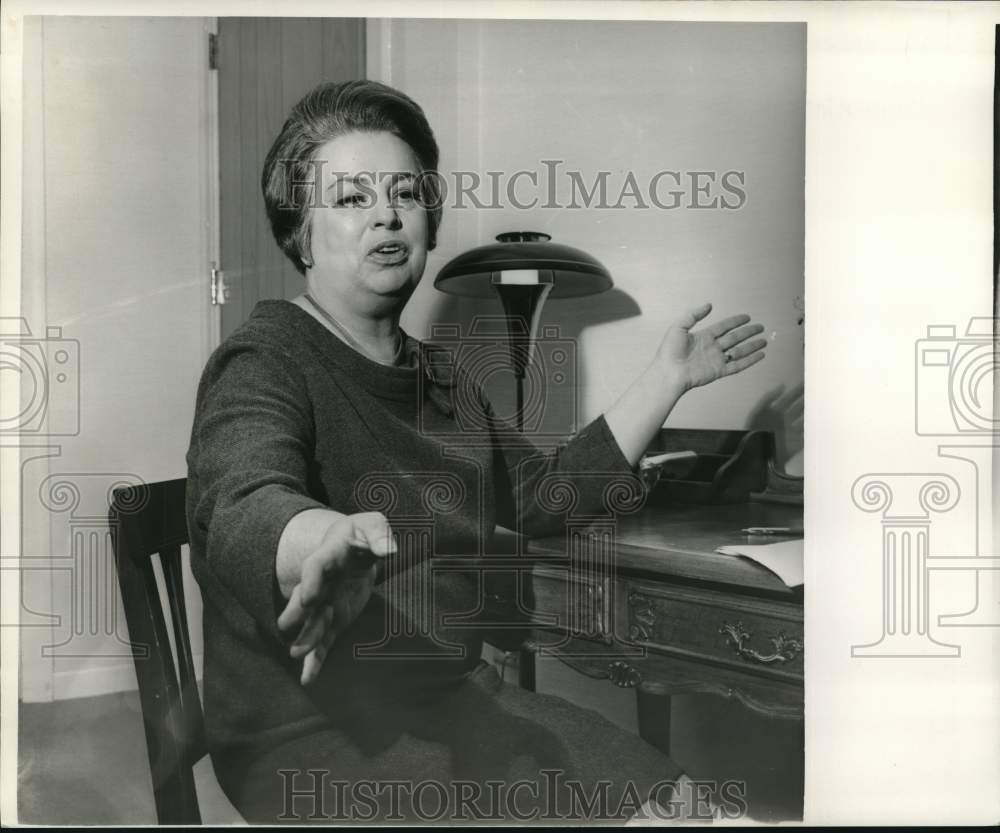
(654, 718)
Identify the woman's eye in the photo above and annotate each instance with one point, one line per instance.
(352, 201)
(405, 195)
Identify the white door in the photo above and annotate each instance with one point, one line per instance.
(118, 234)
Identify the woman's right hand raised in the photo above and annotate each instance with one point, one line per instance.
(335, 584)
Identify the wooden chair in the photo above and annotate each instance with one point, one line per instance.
(148, 521)
(145, 522)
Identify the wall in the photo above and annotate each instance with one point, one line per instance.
(117, 238)
(641, 97)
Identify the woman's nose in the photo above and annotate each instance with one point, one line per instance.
(386, 215)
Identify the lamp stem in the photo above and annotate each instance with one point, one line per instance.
(522, 304)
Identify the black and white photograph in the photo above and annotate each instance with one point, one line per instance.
(405, 416)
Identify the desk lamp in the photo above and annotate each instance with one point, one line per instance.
(523, 268)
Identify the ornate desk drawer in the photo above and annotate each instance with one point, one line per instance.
(577, 605)
(757, 636)
(553, 599)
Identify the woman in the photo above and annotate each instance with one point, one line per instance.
(308, 416)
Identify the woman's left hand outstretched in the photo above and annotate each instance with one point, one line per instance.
(697, 357)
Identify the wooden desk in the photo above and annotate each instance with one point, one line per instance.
(667, 614)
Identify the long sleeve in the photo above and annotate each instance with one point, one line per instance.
(536, 490)
(248, 470)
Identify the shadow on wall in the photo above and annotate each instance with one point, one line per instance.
(781, 410)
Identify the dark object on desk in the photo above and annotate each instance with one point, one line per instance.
(731, 466)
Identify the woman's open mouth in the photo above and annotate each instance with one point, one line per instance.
(390, 253)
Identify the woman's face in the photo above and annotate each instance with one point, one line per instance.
(369, 232)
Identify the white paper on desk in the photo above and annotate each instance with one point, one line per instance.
(783, 558)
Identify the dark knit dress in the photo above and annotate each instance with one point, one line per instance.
(289, 418)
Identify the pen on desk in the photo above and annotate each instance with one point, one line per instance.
(773, 530)
(658, 459)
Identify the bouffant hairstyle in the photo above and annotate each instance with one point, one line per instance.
(328, 111)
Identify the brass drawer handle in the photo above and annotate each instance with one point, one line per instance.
(785, 649)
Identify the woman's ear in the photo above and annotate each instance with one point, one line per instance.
(305, 245)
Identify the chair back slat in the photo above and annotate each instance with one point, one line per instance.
(173, 578)
(145, 521)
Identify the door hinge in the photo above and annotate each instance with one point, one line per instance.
(213, 50)
(219, 291)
